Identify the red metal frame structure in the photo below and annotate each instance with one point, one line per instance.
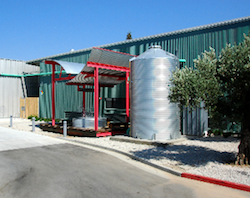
(53, 80)
(98, 66)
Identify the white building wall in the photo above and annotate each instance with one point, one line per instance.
(11, 87)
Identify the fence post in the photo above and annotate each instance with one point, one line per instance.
(33, 124)
(11, 121)
(64, 128)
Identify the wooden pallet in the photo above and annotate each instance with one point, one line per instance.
(81, 132)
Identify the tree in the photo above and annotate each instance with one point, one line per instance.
(129, 36)
(223, 84)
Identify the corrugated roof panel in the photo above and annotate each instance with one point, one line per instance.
(106, 57)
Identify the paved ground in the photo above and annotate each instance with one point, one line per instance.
(32, 165)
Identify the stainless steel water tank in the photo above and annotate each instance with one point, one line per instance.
(152, 115)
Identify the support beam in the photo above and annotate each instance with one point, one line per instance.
(90, 84)
(88, 75)
(64, 78)
(96, 98)
(53, 94)
(83, 98)
(106, 66)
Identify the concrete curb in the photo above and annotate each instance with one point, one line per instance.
(147, 142)
(217, 181)
(169, 170)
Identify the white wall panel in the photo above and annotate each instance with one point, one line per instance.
(11, 87)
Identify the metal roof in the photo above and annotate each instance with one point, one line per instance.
(107, 77)
(198, 28)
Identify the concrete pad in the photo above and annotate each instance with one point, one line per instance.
(11, 139)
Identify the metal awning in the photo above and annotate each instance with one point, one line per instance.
(70, 67)
(112, 68)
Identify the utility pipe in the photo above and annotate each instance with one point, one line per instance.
(27, 75)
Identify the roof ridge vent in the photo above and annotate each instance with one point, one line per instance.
(155, 46)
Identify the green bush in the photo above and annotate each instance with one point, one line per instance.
(31, 116)
(42, 119)
(217, 132)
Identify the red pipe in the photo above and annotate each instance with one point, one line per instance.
(96, 100)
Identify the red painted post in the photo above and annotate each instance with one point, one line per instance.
(96, 100)
(127, 95)
(53, 94)
(83, 98)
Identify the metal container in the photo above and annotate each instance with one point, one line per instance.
(152, 114)
(88, 122)
(78, 122)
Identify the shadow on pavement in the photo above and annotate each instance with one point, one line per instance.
(186, 155)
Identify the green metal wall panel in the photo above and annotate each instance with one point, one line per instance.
(187, 45)
(67, 98)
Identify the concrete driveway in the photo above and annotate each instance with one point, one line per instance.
(32, 165)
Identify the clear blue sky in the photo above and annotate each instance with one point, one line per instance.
(31, 29)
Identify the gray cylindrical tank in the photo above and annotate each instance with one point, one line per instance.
(152, 115)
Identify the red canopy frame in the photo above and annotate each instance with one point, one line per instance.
(53, 80)
(96, 66)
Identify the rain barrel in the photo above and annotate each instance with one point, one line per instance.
(152, 115)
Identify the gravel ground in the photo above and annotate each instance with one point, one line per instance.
(202, 156)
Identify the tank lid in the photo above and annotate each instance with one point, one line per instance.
(154, 51)
(155, 46)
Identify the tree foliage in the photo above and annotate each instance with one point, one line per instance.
(234, 78)
(129, 36)
(193, 86)
(223, 84)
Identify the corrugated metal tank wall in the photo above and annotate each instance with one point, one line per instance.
(152, 114)
(10, 95)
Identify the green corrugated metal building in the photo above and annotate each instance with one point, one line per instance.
(186, 44)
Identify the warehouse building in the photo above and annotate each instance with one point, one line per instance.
(186, 44)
